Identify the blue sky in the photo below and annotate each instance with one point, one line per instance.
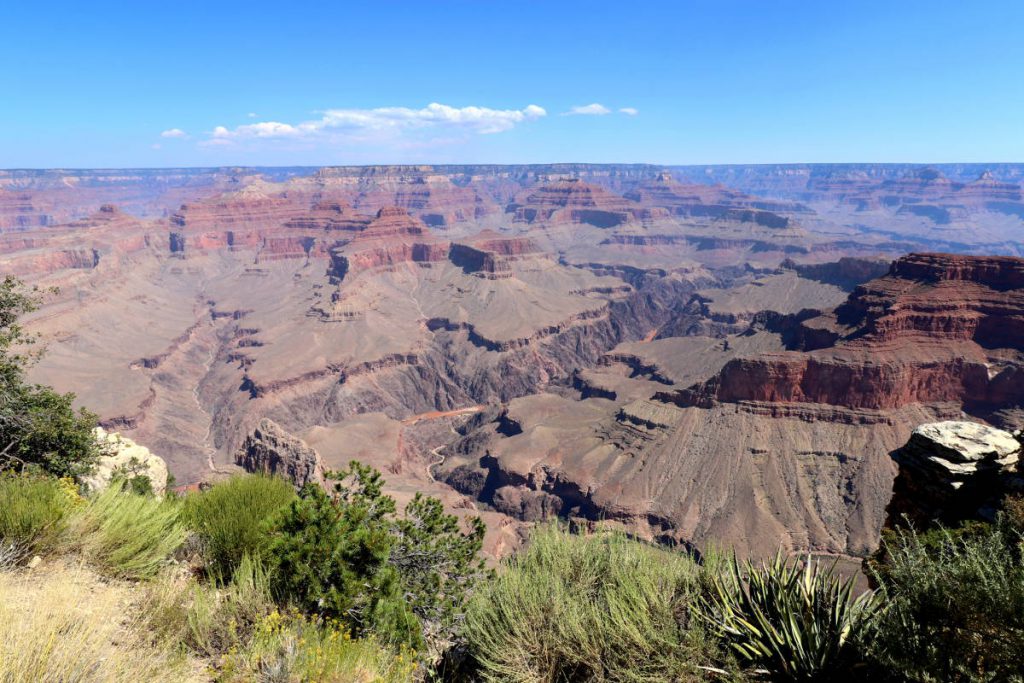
(102, 84)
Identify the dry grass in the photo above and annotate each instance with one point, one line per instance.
(65, 624)
(292, 649)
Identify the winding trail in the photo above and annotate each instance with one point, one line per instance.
(431, 465)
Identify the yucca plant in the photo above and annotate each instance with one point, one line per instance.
(796, 621)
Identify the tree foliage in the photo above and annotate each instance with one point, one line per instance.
(346, 555)
(38, 426)
(438, 563)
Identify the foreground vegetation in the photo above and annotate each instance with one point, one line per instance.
(253, 581)
(318, 586)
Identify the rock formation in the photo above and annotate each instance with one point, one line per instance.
(694, 360)
(954, 471)
(271, 450)
(125, 458)
(574, 201)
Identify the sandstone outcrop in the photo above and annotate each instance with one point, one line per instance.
(574, 201)
(271, 450)
(125, 458)
(927, 332)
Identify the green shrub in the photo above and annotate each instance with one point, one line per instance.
(438, 565)
(596, 608)
(127, 535)
(231, 519)
(955, 608)
(330, 558)
(798, 621)
(33, 512)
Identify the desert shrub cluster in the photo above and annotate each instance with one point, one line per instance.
(593, 608)
(230, 520)
(338, 585)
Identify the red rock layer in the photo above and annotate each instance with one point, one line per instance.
(393, 237)
(19, 211)
(330, 216)
(573, 201)
(938, 328)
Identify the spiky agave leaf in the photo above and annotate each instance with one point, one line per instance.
(796, 619)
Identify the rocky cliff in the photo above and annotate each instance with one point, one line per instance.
(950, 472)
(269, 449)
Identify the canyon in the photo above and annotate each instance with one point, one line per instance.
(700, 355)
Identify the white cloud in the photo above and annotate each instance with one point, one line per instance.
(629, 111)
(251, 115)
(174, 133)
(594, 109)
(383, 123)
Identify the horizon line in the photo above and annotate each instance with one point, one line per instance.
(15, 169)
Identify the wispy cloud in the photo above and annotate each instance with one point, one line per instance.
(383, 124)
(629, 111)
(174, 133)
(593, 109)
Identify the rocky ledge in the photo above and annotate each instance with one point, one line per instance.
(954, 471)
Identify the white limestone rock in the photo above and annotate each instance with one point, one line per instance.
(126, 456)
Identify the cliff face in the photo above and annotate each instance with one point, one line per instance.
(712, 201)
(574, 201)
(927, 332)
(271, 450)
(788, 447)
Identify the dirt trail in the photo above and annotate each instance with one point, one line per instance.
(437, 414)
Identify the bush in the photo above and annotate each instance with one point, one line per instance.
(66, 626)
(127, 535)
(797, 620)
(330, 558)
(596, 608)
(33, 512)
(954, 606)
(231, 519)
(294, 648)
(208, 620)
(438, 565)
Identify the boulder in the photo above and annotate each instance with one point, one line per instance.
(124, 456)
(953, 471)
(269, 449)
